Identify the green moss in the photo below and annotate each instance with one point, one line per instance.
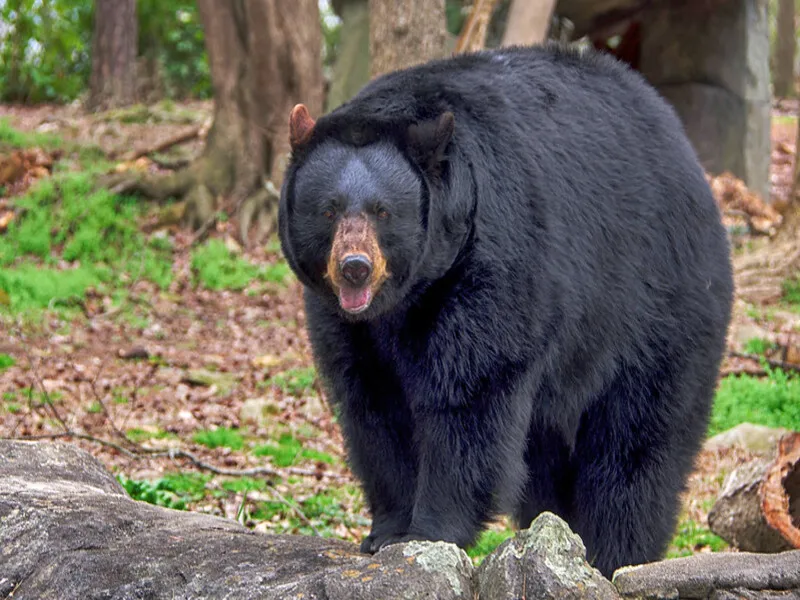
(488, 541)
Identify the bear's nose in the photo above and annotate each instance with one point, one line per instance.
(356, 269)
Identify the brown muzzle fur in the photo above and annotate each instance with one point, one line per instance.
(356, 235)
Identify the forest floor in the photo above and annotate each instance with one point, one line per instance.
(186, 369)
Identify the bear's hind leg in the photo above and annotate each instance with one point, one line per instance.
(549, 484)
(635, 448)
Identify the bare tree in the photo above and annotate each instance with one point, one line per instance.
(528, 22)
(114, 44)
(785, 50)
(405, 32)
(265, 57)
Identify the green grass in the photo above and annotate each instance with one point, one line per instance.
(221, 437)
(217, 268)
(289, 451)
(773, 401)
(6, 361)
(488, 541)
(18, 139)
(138, 435)
(791, 292)
(692, 537)
(93, 231)
(758, 346)
(295, 382)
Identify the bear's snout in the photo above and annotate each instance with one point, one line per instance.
(356, 266)
(356, 269)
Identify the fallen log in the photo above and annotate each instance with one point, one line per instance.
(759, 507)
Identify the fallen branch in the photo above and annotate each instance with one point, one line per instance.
(162, 145)
(772, 362)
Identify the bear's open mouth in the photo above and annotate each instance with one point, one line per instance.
(355, 300)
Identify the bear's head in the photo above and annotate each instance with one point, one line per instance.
(355, 208)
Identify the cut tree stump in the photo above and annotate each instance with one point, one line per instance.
(759, 507)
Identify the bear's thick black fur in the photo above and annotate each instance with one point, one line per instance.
(558, 287)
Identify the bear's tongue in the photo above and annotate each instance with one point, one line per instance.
(354, 300)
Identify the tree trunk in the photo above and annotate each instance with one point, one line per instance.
(759, 507)
(785, 49)
(114, 43)
(405, 32)
(528, 22)
(351, 69)
(265, 56)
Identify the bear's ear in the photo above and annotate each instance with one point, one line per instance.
(301, 126)
(428, 140)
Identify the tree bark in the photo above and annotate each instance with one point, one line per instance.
(265, 56)
(528, 22)
(114, 44)
(405, 32)
(785, 50)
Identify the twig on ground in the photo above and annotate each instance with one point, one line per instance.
(780, 364)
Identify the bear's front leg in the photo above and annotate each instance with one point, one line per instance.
(470, 466)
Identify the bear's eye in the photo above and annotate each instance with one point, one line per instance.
(329, 213)
(383, 214)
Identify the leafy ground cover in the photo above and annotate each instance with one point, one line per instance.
(186, 368)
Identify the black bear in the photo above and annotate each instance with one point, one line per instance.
(517, 291)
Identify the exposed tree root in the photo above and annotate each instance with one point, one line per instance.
(761, 273)
(205, 190)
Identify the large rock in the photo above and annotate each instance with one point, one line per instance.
(714, 576)
(711, 61)
(68, 530)
(545, 561)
